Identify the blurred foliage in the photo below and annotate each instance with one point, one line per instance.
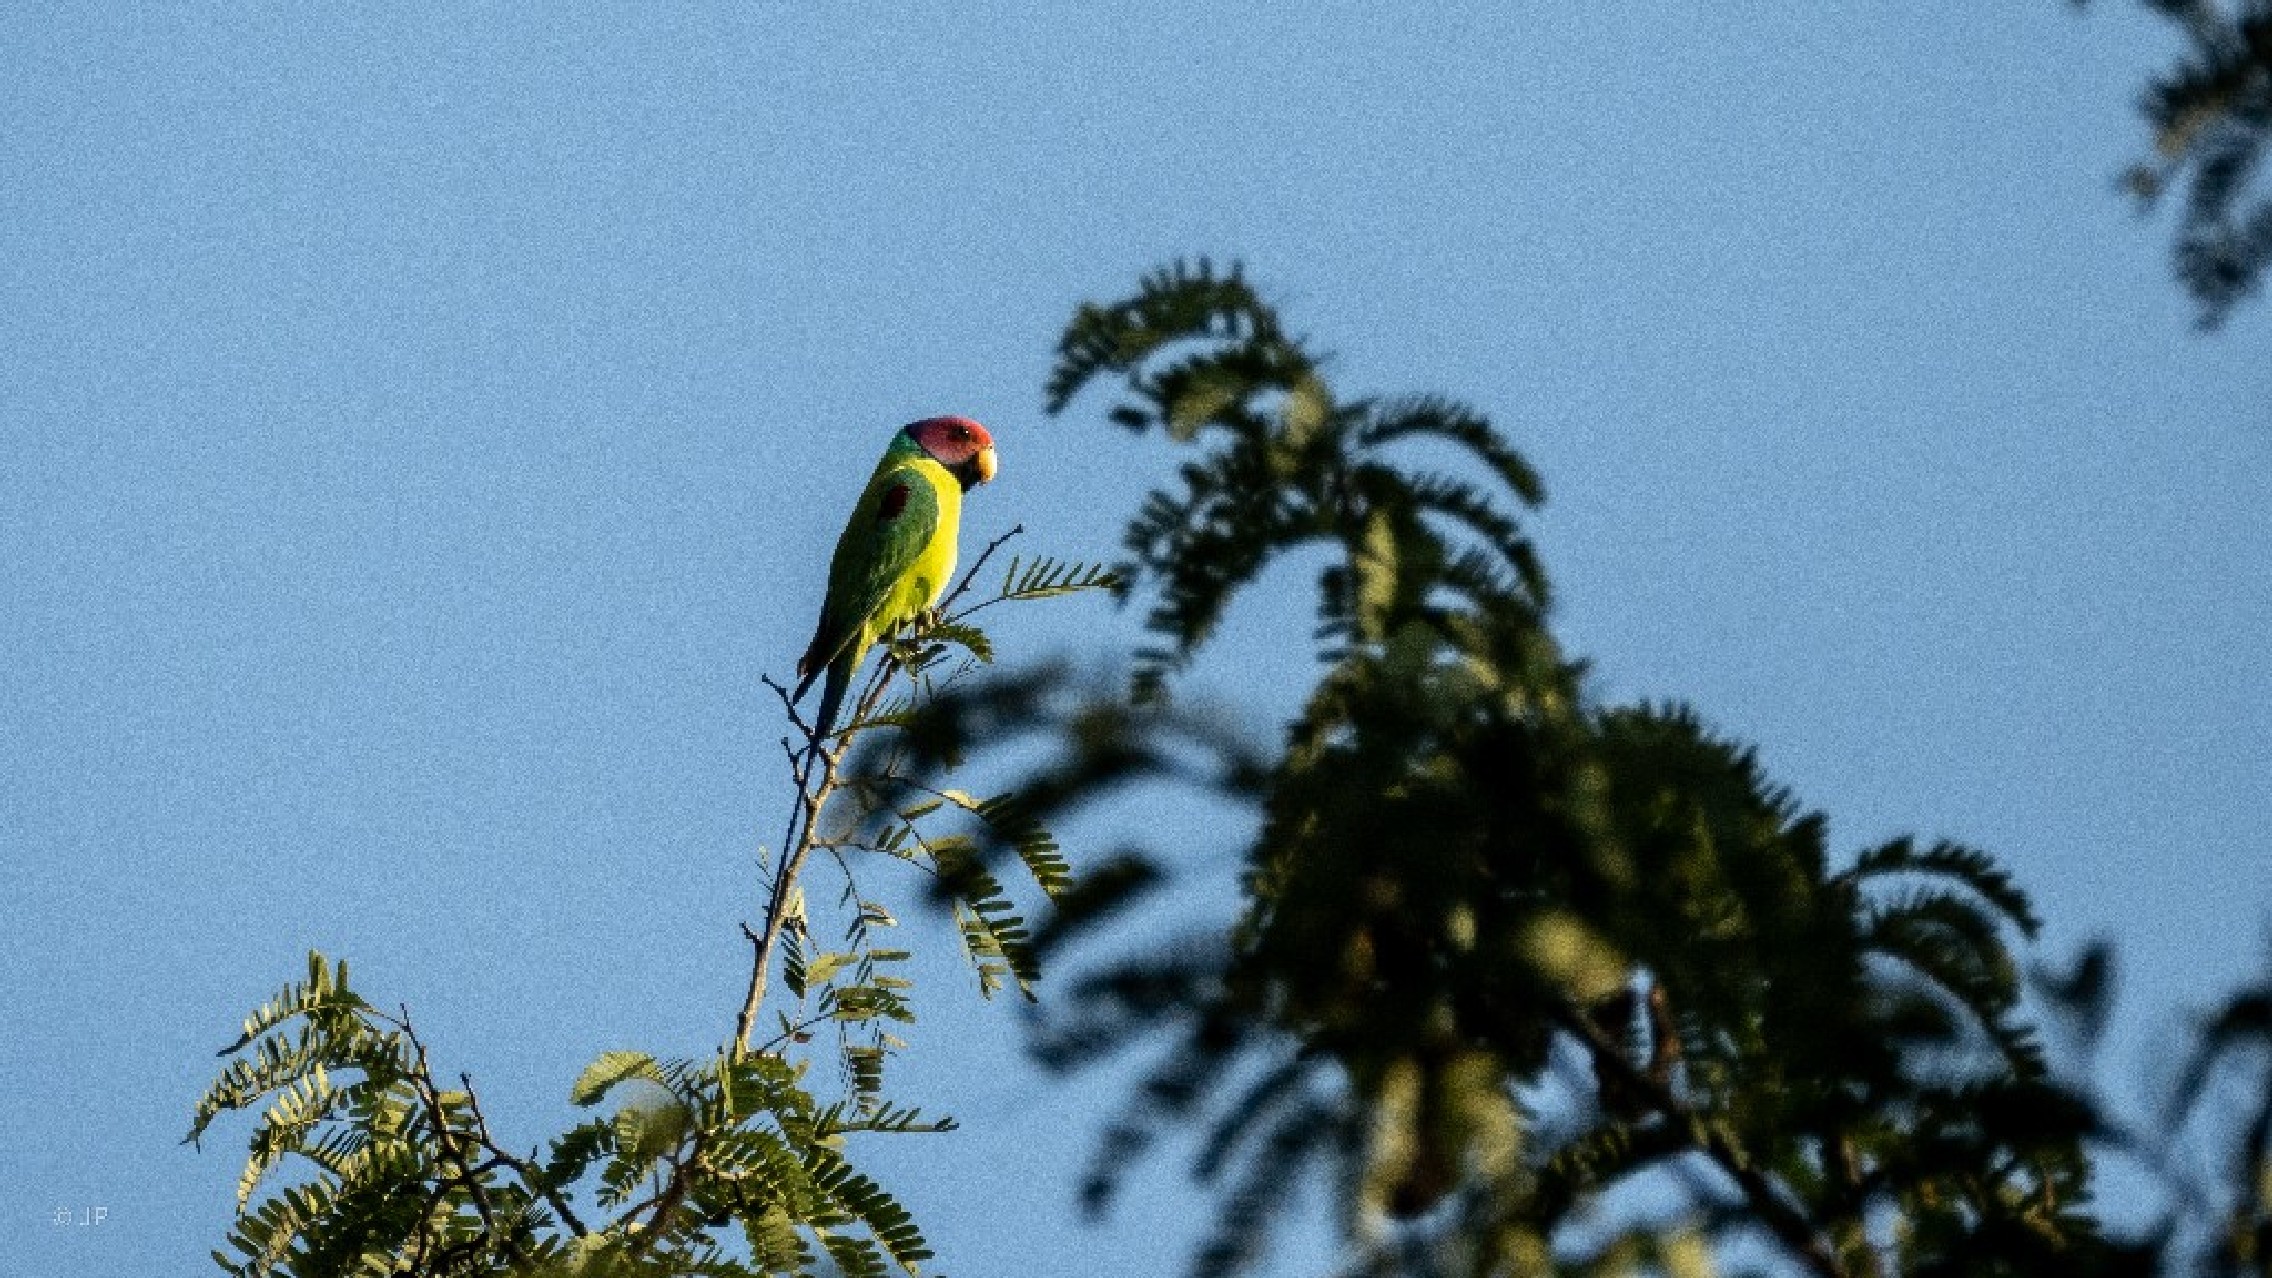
(2211, 116)
(1506, 955)
(2205, 1142)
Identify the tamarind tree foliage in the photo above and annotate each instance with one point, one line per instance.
(366, 1159)
(1505, 954)
(2211, 117)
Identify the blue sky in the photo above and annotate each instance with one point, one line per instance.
(420, 432)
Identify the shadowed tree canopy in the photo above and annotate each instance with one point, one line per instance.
(2211, 116)
(1506, 951)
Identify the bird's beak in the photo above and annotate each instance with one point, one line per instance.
(985, 460)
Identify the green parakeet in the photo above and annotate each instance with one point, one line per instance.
(897, 553)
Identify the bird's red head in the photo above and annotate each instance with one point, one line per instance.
(959, 444)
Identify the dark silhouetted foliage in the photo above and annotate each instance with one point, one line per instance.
(1506, 951)
(2211, 116)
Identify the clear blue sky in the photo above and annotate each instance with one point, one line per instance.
(418, 433)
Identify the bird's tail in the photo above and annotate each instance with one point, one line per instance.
(810, 666)
(831, 697)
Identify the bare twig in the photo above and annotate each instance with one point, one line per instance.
(521, 1167)
(963, 587)
(788, 705)
(790, 1034)
(446, 1140)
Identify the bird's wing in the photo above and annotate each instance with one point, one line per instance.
(895, 522)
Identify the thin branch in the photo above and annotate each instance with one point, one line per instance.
(666, 1202)
(797, 843)
(793, 850)
(425, 1239)
(813, 795)
(963, 587)
(959, 799)
(446, 1140)
(1786, 1222)
(794, 1029)
(788, 703)
(521, 1167)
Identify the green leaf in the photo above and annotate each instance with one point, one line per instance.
(1184, 300)
(823, 966)
(1975, 870)
(867, 1003)
(1050, 578)
(793, 971)
(864, 1200)
(325, 990)
(855, 1257)
(1011, 823)
(608, 1070)
(575, 1150)
(649, 1127)
(775, 1244)
(965, 635)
